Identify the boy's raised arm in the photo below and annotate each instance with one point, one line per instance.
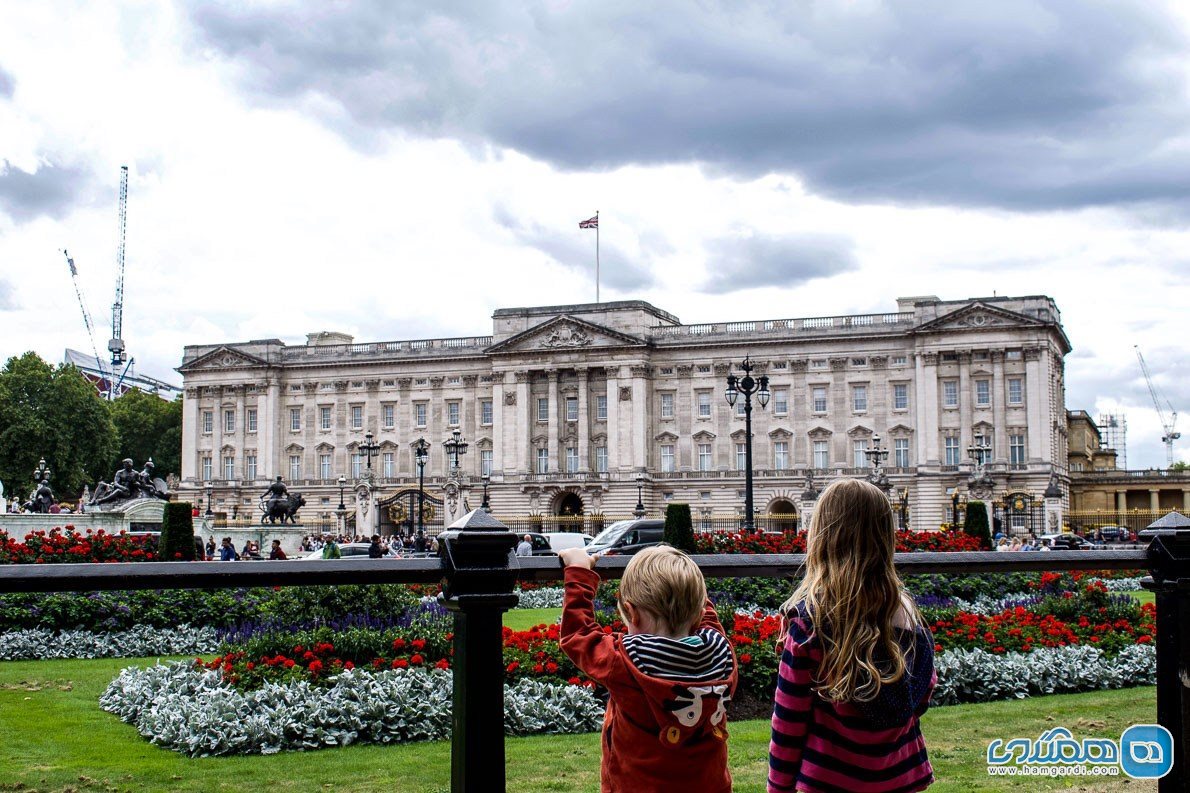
(582, 637)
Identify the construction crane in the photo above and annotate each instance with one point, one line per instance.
(116, 345)
(74, 277)
(1167, 424)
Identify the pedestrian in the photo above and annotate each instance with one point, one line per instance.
(525, 546)
(275, 552)
(211, 547)
(374, 550)
(668, 680)
(330, 549)
(227, 552)
(857, 665)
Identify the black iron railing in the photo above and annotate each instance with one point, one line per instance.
(479, 574)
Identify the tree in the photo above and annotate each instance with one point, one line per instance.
(148, 426)
(177, 532)
(1180, 465)
(976, 523)
(679, 528)
(55, 414)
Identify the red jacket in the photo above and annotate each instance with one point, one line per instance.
(658, 734)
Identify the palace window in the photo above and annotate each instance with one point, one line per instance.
(601, 459)
(324, 418)
(419, 414)
(950, 393)
(900, 396)
(324, 466)
(206, 469)
(780, 401)
(452, 413)
(822, 454)
(357, 465)
(781, 455)
(818, 394)
(952, 451)
(983, 393)
(901, 452)
(543, 461)
(295, 419)
(357, 417)
(387, 461)
(229, 467)
(1016, 449)
(571, 459)
(859, 448)
(390, 416)
(741, 456)
(859, 398)
(543, 409)
(572, 408)
(601, 407)
(295, 467)
(229, 421)
(1016, 392)
(704, 404)
(485, 412)
(250, 467)
(485, 462)
(208, 421)
(704, 456)
(667, 458)
(250, 419)
(667, 405)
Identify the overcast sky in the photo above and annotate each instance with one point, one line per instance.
(396, 170)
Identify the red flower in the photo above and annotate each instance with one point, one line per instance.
(1144, 638)
(746, 658)
(416, 659)
(442, 664)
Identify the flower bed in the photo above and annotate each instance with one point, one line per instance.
(67, 544)
(761, 542)
(191, 710)
(41, 644)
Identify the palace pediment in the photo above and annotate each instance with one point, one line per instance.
(978, 316)
(564, 334)
(221, 359)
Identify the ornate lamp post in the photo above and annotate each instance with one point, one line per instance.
(640, 504)
(209, 488)
(369, 448)
(454, 447)
(421, 454)
(485, 506)
(747, 386)
(42, 471)
(876, 456)
(342, 485)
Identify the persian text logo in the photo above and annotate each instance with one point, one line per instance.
(1146, 751)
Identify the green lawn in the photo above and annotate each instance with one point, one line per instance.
(523, 619)
(55, 738)
(1144, 596)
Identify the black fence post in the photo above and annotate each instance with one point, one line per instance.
(1169, 579)
(479, 581)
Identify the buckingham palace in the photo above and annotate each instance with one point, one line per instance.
(581, 409)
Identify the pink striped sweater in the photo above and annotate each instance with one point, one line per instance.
(873, 747)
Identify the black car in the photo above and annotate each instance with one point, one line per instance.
(541, 545)
(627, 537)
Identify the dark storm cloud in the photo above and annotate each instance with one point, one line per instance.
(575, 250)
(1020, 103)
(7, 84)
(782, 261)
(51, 190)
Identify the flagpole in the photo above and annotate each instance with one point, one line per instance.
(596, 255)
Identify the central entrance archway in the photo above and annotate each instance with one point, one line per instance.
(782, 516)
(569, 504)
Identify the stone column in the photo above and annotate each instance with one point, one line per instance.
(1186, 501)
(640, 416)
(524, 425)
(268, 425)
(554, 419)
(1154, 499)
(499, 448)
(584, 426)
(965, 400)
(191, 430)
(1038, 432)
(1121, 500)
(999, 414)
(613, 418)
(927, 408)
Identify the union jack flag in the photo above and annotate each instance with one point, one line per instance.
(590, 223)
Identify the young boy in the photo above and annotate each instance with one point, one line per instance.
(669, 679)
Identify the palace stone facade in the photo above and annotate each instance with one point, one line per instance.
(566, 406)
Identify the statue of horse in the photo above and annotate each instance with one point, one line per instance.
(285, 508)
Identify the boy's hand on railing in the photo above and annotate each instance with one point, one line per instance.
(577, 557)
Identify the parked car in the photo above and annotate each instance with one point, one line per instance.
(559, 540)
(1067, 541)
(1114, 533)
(539, 541)
(628, 537)
(348, 550)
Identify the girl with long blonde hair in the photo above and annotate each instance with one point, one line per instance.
(857, 664)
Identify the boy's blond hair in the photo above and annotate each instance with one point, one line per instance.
(667, 583)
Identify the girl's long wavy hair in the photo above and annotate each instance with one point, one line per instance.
(852, 592)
